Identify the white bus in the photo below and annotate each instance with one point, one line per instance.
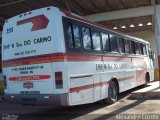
(54, 57)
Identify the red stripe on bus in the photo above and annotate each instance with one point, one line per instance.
(77, 89)
(120, 59)
(57, 57)
(61, 57)
(83, 57)
(33, 77)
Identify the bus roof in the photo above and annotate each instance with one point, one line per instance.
(80, 18)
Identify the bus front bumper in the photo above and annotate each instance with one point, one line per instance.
(45, 99)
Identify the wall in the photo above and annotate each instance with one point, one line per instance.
(1, 76)
(151, 38)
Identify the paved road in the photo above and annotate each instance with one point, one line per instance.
(95, 111)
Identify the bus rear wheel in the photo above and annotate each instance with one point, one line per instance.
(147, 80)
(112, 93)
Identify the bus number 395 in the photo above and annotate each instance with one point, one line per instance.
(9, 30)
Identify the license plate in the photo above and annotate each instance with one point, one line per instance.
(28, 85)
(29, 92)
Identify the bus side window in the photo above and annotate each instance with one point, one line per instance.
(114, 43)
(96, 41)
(121, 45)
(137, 48)
(127, 48)
(149, 50)
(76, 34)
(133, 50)
(86, 38)
(141, 49)
(144, 49)
(69, 36)
(106, 42)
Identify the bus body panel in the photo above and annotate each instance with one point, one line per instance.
(23, 36)
(92, 84)
(78, 93)
(19, 82)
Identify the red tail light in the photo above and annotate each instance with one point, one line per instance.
(59, 80)
(5, 82)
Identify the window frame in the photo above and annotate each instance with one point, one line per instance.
(115, 52)
(126, 40)
(138, 46)
(69, 25)
(144, 45)
(65, 26)
(100, 40)
(79, 36)
(123, 45)
(133, 45)
(141, 48)
(91, 44)
(108, 40)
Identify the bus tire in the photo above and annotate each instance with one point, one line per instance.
(147, 77)
(147, 80)
(112, 93)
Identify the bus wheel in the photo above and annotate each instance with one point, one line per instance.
(112, 93)
(147, 78)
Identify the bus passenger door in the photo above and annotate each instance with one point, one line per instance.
(139, 65)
